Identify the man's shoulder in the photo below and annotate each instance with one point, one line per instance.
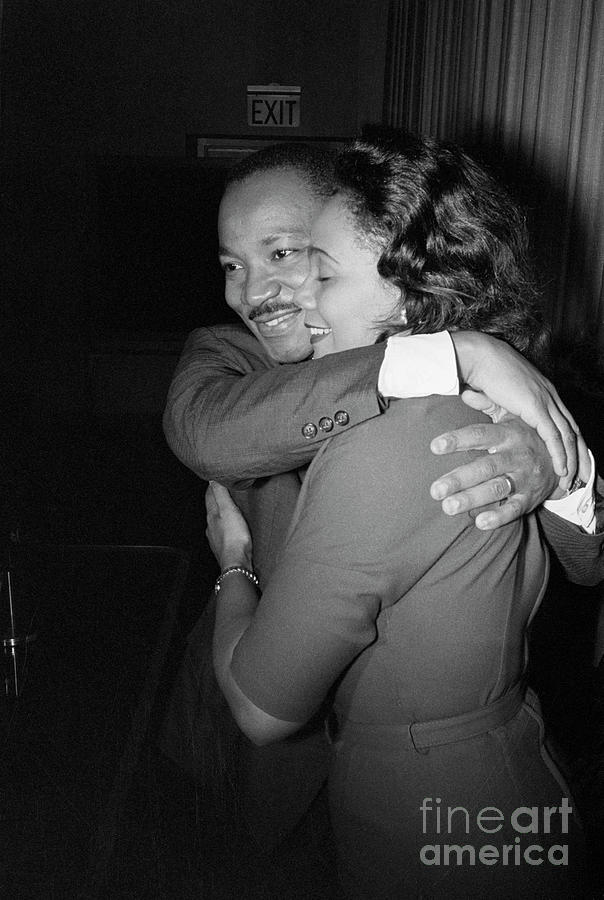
(231, 333)
(230, 340)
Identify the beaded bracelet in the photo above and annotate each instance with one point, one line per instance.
(230, 570)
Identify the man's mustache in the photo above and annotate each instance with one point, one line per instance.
(270, 309)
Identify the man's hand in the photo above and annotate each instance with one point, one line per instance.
(493, 370)
(517, 458)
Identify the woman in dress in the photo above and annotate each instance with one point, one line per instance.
(409, 625)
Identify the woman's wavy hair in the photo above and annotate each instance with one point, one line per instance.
(450, 238)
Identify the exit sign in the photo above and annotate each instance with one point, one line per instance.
(273, 105)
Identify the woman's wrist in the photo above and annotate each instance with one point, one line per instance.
(238, 558)
(469, 347)
(240, 571)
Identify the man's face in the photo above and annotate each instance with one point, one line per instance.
(264, 233)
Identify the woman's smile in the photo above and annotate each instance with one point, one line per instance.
(317, 332)
(344, 296)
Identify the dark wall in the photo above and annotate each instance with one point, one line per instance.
(81, 80)
(97, 98)
(132, 78)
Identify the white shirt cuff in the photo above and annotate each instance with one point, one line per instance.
(580, 506)
(417, 365)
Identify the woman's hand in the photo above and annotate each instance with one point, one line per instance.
(227, 531)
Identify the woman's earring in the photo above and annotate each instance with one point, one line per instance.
(403, 316)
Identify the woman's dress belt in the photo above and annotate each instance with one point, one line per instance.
(437, 732)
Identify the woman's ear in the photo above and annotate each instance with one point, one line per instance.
(398, 316)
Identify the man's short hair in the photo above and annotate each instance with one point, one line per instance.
(314, 164)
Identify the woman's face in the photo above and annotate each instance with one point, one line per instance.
(344, 297)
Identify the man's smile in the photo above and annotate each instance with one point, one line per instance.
(273, 323)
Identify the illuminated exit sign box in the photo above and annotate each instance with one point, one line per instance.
(273, 105)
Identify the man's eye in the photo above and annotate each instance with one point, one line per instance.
(230, 267)
(283, 253)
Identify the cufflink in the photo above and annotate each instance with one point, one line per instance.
(341, 417)
(309, 430)
(325, 424)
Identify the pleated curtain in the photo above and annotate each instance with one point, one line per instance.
(523, 79)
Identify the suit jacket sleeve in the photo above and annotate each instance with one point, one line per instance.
(232, 414)
(580, 555)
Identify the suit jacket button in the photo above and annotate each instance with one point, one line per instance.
(309, 430)
(325, 424)
(341, 417)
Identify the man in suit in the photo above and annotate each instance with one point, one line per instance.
(247, 407)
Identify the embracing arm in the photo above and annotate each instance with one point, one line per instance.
(572, 524)
(231, 414)
(580, 550)
(234, 614)
(236, 605)
(499, 381)
(526, 464)
(580, 555)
